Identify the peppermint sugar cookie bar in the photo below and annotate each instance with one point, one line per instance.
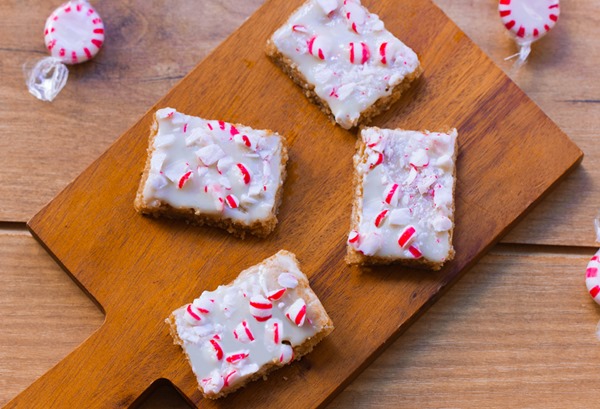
(344, 59)
(403, 209)
(266, 318)
(214, 173)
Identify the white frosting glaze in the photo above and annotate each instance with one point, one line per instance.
(233, 331)
(346, 53)
(406, 208)
(213, 167)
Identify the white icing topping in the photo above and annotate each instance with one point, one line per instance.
(213, 167)
(236, 329)
(406, 209)
(346, 53)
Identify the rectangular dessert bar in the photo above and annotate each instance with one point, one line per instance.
(214, 173)
(344, 59)
(266, 318)
(403, 209)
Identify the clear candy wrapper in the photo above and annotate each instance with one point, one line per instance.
(74, 33)
(528, 21)
(46, 78)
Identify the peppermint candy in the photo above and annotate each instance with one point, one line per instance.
(287, 354)
(407, 236)
(237, 357)
(319, 47)
(356, 16)
(353, 238)
(328, 5)
(391, 194)
(192, 315)
(374, 159)
(592, 280)
(74, 33)
(380, 218)
(214, 383)
(358, 53)
(371, 243)
(276, 294)
(243, 333)
(274, 331)
(230, 378)
(245, 173)
(218, 350)
(260, 308)
(528, 21)
(388, 52)
(232, 201)
(287, 280)
(296, 313)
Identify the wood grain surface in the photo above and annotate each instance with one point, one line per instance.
(44, 315)
(562, 78)
(139, 65)
(121, 258)
(516, 331)
(151, 45)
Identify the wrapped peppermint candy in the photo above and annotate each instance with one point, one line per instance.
(528, 21)
(73, 34)
(592, 274)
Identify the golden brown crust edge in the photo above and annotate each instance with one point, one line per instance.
(138, 203)
(355, 257)
(380, 106)
(299, 351)
(260, 228)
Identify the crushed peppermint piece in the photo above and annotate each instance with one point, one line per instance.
(328, 5)
(407, 236)
(209, 155)
(287, 354)
(243, 333)
(287, 280)
(297, 312)
(260, 308)
(391, 194)
(353, 237)
(275, 294)
(381, 217)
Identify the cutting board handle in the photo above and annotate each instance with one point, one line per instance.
(112, 381)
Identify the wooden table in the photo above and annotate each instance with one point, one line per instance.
(517, 331)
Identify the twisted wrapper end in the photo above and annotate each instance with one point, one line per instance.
(46, 78)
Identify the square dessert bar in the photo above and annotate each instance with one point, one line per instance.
(214, 173)
(266, 318)
(403, 209)
(344, 59)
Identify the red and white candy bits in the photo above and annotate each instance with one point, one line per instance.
(297, 312)
(528, 21)
(260, 308)
(592, 272)
(74, 33)
(592, 277)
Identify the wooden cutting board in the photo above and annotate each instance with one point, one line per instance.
(139, 269)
